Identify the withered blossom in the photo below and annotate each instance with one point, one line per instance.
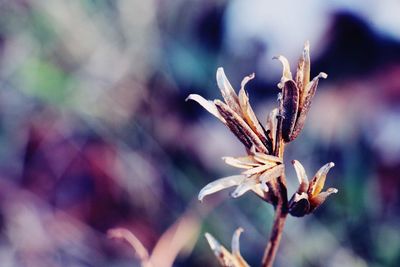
(226, 258)
(237, 113)
(309, 195)
(260, 167)
(297, 94)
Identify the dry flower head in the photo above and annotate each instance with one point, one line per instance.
(262, 167)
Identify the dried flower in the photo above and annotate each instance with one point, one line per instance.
(259, 169)
(263, 167)
(297, 94)
(237, 114)
(226, 258)
(309, 196)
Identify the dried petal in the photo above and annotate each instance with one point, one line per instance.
(240, 128)
(310, 88)
(286, 74)
(321, 197)
(272, 124)
(290, 108)
(247, 162)
(223, 255)
(303, 68)
(272, 173)
(305, 104)
(245, 186)
(207, 104)
(227, 91)
(236, 248)
(261, 190)
(258, 169)
(248, 113)
(301, 176)
(318, 181)
(220, 184)
(266, 159)
(141, 252)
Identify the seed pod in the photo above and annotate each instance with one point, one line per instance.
(299, 205)
(290, 108)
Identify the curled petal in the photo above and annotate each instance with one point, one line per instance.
(224, 257)
(321, 197)
(310, 88)
(227, 91)
(220, 184)
(246, 185)
(286, 74)
(301, 176)
(206, 104)
(247, 111)
(236, 248)
(318, 181)
(141, 252)
(272, 173)
(247, 162)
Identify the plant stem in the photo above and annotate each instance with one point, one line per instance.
(277, 228)
(281, 209)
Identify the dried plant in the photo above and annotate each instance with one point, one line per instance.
(263, 170)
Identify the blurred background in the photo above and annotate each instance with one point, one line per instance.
(95, 132)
